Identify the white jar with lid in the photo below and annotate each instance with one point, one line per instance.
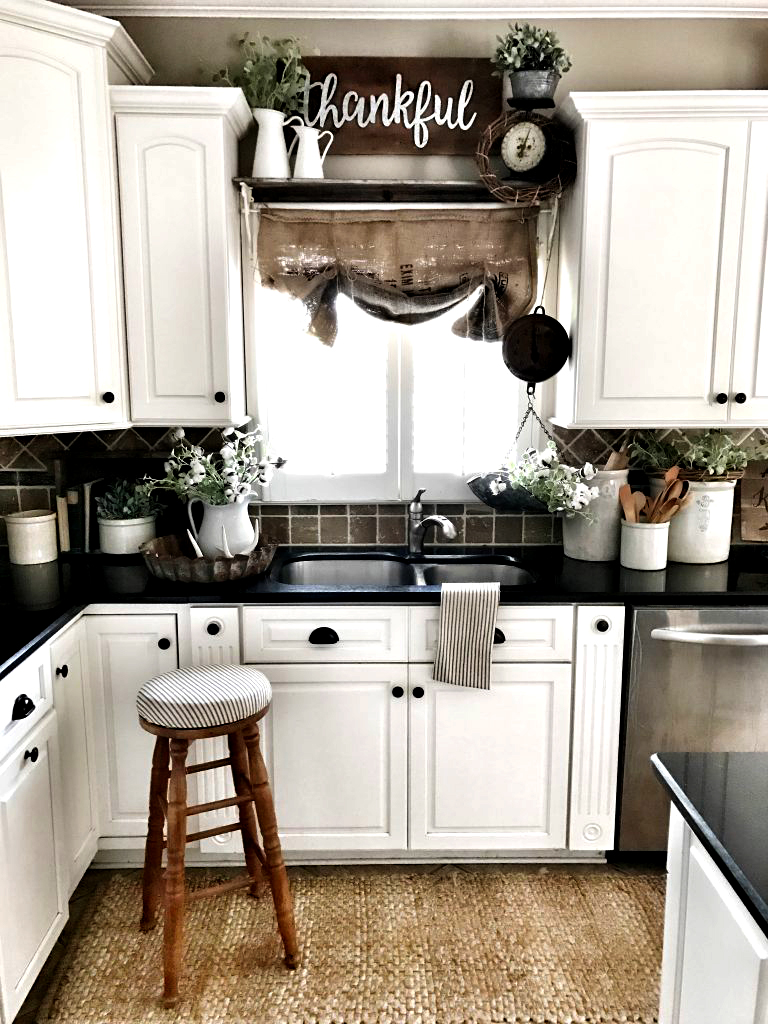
(31, 536)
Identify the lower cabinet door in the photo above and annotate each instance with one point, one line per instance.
(33, 893)
(124, 651)
(72, 700)
(335, 742)
(489, 768)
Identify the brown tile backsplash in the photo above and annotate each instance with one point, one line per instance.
(27, 481)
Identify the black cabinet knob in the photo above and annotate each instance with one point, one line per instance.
(498, 636)
(602, 625)
(418, 692)
(721, 398)
(220, 397)
(63, 671)
(397, 691)
(31, 755)
(213, 628)
(164, 643)
(323, 635)
(23, 707)
(740, 398)
(108, 397)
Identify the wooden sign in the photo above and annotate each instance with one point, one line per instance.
(754, 501)
(402, 105)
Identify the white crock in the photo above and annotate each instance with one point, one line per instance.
(644, 545)
(123, 536)
(597, 541)
(31, 536)
(700, 533)
(271, 157)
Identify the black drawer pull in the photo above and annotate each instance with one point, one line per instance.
(108, 397)
(740, 398)
(323, 635)
(602, 625)
(213, 628)
(31, 755)
(164, 643)
(721, 398)
(63, 671)
(397, 691)
(498, 636)
(220, 397)
(23, 707)
(418, 692)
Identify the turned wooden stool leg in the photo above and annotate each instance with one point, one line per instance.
(152, 883)
(254, 857)
(174, 875)
(278, 878)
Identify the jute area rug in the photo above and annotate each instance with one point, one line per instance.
(450, 946)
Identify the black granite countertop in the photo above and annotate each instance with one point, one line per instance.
(37, 600)
(724, 798)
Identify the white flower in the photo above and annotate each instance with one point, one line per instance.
(228, 453)
(229, 493)
(167, 467)
(588, 471)
(177, 433)
(244, 489)
(228, 432)
(546, 457)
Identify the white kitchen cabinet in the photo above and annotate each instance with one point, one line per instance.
(26, 694)
(124, 651)
(715, 961)
(33, 884)
(651, 258)
(74, 711)
(177, 155)
(62, 362)
(335, 743)
(489, 768)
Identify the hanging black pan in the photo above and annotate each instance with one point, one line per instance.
(535, 347)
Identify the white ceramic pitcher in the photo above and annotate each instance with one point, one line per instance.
(309, 159)
(226, 530)
(271, 157)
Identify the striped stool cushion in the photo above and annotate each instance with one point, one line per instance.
(199, 698)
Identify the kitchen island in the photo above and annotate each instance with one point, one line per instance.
(715, 966)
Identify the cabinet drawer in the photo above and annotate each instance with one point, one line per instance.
(322, 634)
(31, 679)
(527, 634)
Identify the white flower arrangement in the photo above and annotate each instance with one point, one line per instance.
(223, 477)
(561, 488)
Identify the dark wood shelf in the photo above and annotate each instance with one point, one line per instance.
(333, 190)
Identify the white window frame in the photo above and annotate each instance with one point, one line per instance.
(382, 488)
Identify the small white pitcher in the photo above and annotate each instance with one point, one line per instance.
(309, 159)
(226, 530)
(271, 157)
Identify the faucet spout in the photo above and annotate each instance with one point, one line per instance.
(418, 531)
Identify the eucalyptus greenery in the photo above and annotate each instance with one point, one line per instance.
(125, 500)
(273, 74)
(711, 453)
(561, 488)
(528, 48)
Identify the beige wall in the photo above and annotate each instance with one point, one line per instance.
(715, 53)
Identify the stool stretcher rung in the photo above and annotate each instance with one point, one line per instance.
(218, 890)
(217, 805)
(208, 833)
(206, 766)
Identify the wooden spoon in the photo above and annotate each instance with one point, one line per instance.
(627, 504)
(640, 501)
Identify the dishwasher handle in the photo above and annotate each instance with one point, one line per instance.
(685, 636)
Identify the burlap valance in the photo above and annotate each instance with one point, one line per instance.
(406, 266)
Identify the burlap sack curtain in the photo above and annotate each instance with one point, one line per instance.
(405, 266)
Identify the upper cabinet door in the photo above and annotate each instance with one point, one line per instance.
(177, 155)
(656, 240)
(61, 362)
(749, 384)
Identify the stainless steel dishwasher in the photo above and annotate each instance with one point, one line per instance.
(698, 681)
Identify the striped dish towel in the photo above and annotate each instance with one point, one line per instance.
(465, 639)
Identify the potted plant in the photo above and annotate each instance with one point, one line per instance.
(531, 60)
(540, 482)
(126, 515)
(712, 461)
(274, 79)
(223, 482)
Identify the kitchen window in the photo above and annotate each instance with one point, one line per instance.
(382, 408)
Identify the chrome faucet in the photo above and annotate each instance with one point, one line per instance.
(417, 526)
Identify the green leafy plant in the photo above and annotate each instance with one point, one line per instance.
(711, 453)
(219, 478)
(273, 74)
(561, 488)
(125, 500)
(528, 48)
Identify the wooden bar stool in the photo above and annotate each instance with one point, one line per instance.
(179, 707)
